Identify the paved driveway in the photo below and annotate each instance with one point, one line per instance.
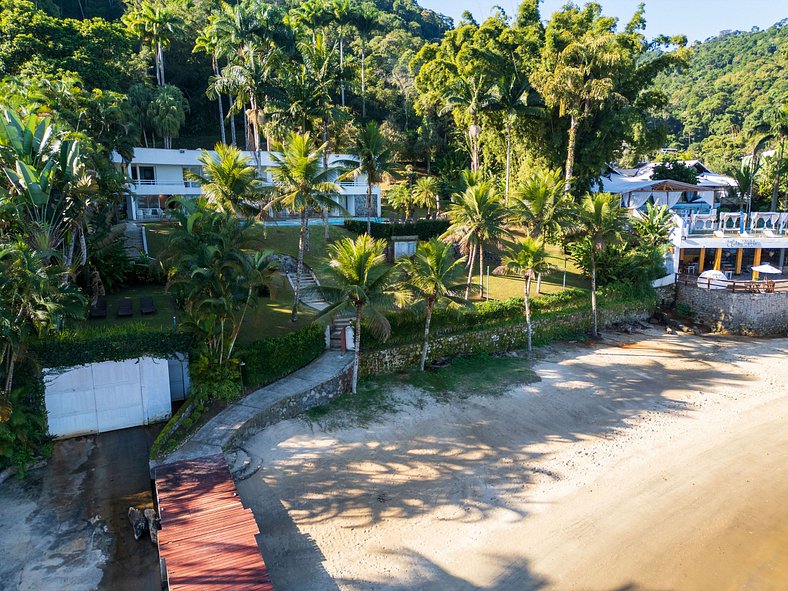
(65, 528)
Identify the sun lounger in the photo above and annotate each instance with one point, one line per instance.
(99, 309)
(125, 308)
(147, 306)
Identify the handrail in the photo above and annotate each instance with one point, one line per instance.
(733, 285)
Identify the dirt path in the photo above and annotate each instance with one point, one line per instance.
(64, 527)
(648, 463)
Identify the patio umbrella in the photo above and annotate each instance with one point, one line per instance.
(767, 269)
(712, 279)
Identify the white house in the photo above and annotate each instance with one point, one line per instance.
(157, 174)
(637, 188)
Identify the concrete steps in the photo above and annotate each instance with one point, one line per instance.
(133, 241)
(307, 294)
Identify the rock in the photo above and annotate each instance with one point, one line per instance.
(154, 525)
(139, 524)
(653, 320)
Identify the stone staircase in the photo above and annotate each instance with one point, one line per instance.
(308, 296)
(338, 326)
(133, 241)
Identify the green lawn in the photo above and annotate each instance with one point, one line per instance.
(270, 318)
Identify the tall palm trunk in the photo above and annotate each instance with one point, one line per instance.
(325, 167)
(481, 269)
(300, 265)
(215, 65)
(369, 207)
(470, 271)
(356, 349)
(160, 63)
(570, 154)
(342, 65)
(527, 300)
(776, 186)
(595, 328)
(363, 79)
(508, 156)
(426, 343)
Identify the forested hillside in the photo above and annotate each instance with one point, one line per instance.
(728, 93)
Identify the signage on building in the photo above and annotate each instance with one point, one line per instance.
(742, 243)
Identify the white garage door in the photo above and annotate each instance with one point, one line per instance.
(107, 396)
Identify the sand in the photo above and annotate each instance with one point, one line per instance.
(648, 462)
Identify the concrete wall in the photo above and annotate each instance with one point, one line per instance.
(493, 340)
(105, 396)
(754, 314)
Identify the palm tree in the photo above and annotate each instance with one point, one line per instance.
(375, 158)
(780, 131)
(576, 78)
(216, 277)
(654, 226)
(542, 204)
(599, 220)
(366, 19)
(477, 220)
(426, 193)
(156, 25)
(527, 258)
(208, 41)
(362, 284)
(167, 112)
(302, 184)
(34, 300)
(228, 181)
(473, 94)
(512, 94)
(434, 275)
(249, 81)
(400, 198)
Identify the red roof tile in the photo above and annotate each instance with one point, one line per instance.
(207, 537)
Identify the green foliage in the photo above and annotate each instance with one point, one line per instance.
(112, 342)
(676, 171)
(35, 43)
(407, 327)
(733, 83)
(213, 381)
(424, 229)
(179, 427)
(23, 437)
(268, 360)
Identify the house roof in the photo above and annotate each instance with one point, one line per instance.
(177, 157)
(207, 538)
(622, 180)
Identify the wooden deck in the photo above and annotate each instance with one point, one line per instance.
(207, 540)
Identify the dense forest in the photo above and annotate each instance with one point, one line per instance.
(728, 93)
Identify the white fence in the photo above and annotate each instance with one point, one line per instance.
(106, 396)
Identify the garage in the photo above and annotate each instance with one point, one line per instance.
(101, 397)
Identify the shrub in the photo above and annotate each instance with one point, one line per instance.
(108, 343)
(424, 229)
(213, 381)
(267, 360)
(24, 436)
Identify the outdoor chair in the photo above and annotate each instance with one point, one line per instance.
(125, 308)
(147, 305)
(99, 309)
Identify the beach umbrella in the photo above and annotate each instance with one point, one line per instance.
(767, 269)
(712, 279)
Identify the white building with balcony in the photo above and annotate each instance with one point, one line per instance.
(155, 175)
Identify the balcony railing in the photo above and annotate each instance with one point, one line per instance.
(763, 223)
(734, 285)
(194, 185)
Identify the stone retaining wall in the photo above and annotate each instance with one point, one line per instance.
(294, 405)
(751, 314)
(502, 338)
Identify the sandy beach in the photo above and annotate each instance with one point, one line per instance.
(648, 462)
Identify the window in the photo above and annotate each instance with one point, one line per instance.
(191, 169)
(144, 175)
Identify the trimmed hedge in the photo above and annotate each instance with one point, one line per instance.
(111, 343)
(407, 327)
(268, 360)
(424, 229)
